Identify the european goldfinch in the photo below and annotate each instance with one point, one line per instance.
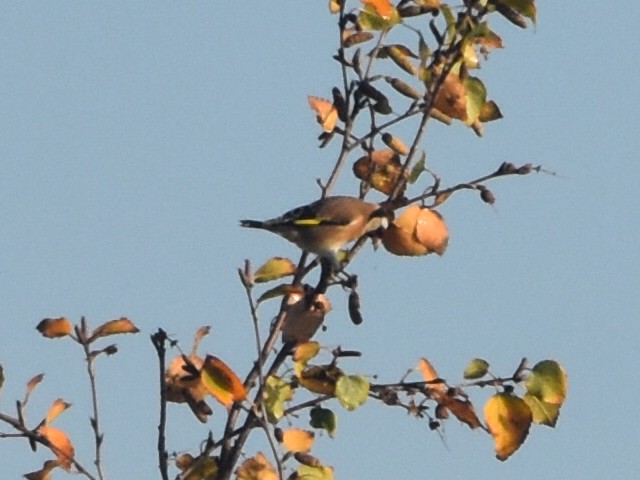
(325, 226)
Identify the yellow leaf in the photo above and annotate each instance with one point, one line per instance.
(56, 409)
(274, 268)
(257, 468)
(55, 327)
(222, 382)
(296, 440)
(508, 418)
(326, 112)
(114, 327)
(306, 351)
(60, 445)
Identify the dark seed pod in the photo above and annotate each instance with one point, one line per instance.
(354, 308)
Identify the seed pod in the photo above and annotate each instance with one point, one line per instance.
(307, 459)
(487, 196)
(395, 144)
(370, 91)
(340, 103)
(354, 308)
(382, 106)
(403, 88)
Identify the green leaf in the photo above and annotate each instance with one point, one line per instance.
(417, 169)
(476, 98)
(544, 413)
(306, 472)
(477, 368)
(273, 269)
(325, 419)
(451, 20)
(548, 382)
(352, 391)
(276, 393)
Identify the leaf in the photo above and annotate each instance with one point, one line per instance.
(352, 391)
(418, 231)
(320, 379)
(378, 15)
(476, 98)
(60, 445)
(32, 384)
(351, 38)
(477, 368)
(320, 472)
(55, 410)
(273, 269)
(325, 419)
(508, 418)
(489, 112)
(382, 8)
(303, 317)
(417, 169)
(44, 473)
(197, 338)
(463, 410)
(280, 291)
(222, 382)
(544, 413)
(200, 468)
(326, 112)
(305, 351)
(523, 7)
(276, 393)
(257, 468)
(381, 168)
(55, 327)
(548, 382)
(114, 327)
(297, 440)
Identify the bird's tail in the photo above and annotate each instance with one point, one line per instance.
(251, 224)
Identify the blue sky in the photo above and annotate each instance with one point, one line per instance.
(135, 136)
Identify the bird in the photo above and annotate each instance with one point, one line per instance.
(326, 225)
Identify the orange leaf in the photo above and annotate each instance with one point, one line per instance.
(383, 8)
(222, 382)
(431, 231)
(60, 445)
(463, 411)
(326, 112)
(508, 418)
(114, 327)
(296, 440)
(429, 374)
(56, 409)
(55, 327)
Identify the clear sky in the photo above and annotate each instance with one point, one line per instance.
(135, 135)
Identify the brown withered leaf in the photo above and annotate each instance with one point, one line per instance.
(55, 327)
(114, 327)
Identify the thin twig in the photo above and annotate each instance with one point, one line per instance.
(158, 339)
